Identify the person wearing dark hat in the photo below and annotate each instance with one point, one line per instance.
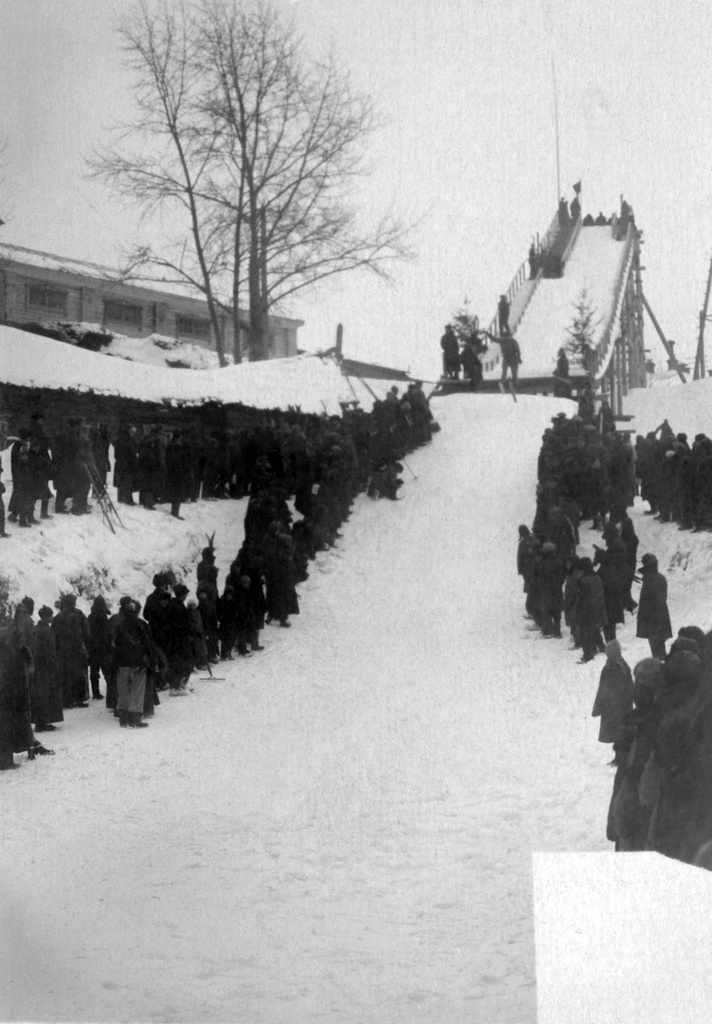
(653, 622)
(614, 698)
(16, 667)
(100, 643)
(179, 647)
(45, 687)
(133, 654)
(590, 614)
(71, 637)
(503, 314)
(551, 578)
(451, 354)
(2, 507)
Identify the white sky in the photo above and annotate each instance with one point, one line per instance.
(465, 87)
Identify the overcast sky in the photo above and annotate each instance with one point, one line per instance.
(465, 88)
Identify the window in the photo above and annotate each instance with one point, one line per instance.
(44, 297)
(192, 327)
(122, 314)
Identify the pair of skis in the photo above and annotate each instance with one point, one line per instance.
(101, 494)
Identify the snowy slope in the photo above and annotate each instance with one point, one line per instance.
(342, 829)
(594, 264)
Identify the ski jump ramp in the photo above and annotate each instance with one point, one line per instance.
(604, 271)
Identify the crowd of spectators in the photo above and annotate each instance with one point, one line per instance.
(301, 479)
(657, 717)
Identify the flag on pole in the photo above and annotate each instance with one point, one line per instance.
(577, 187)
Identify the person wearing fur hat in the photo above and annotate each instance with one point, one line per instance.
(614, 698)
(71, 636)
(45, 687)
(653, 622)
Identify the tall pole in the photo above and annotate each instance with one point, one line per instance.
(700, 357)
(556, 129)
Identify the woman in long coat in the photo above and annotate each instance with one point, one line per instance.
(613, 571)
(46, 697)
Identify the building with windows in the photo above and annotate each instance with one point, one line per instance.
(40, 288)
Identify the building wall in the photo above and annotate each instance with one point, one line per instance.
(30, 294)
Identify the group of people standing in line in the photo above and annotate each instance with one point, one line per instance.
(315, 465)
(657, 717)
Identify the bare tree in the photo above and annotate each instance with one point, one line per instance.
(262, 150)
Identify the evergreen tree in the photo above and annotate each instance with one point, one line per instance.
(464, 323)
(580, 333)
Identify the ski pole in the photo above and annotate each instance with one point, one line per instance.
(406, 463)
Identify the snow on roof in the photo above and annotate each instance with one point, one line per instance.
(594, 264)
(313, 383)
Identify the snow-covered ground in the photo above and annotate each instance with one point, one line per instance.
(342, 829)
(594, 265)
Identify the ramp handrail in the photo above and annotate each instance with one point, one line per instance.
(601, 352)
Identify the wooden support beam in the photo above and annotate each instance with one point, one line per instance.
(670, 351)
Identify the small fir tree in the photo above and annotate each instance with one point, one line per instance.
(579, 340)
(464, 323)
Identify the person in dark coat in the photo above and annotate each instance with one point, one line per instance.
(451, 353)
(550, 587)
(133, 655)
(511, 353)
(179, 646)
(628, 817)
(614, 698)
(16, 669)
(246, 619)
(590, 615)
(571, 594)
(209, 617)
(175, 479)
(653, 615)
(471, 365)
(100, 645)
(279, 575)
(613, 572)
(677, 780)
(630, 539)
(71, 636)
(46, 696)
(227, 622)
(503, 314)
(126, 465)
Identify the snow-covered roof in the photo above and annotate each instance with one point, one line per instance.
(315, 384)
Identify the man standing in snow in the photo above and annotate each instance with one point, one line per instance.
(133, 654)
(653, 615)
(511, 353)
(451, 354)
